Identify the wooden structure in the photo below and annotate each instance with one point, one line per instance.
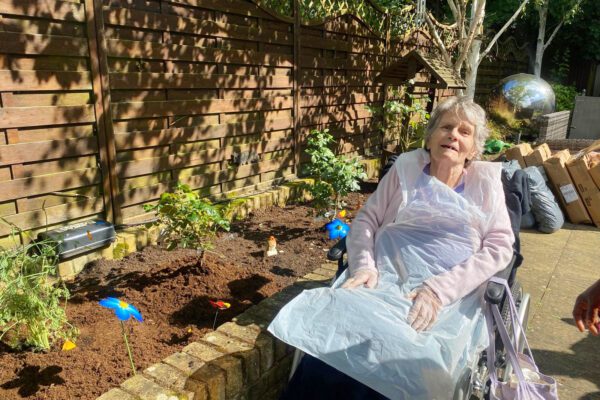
(415, 62)
(106, 104)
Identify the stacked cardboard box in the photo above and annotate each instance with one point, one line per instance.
(561, 182)
(518, 153)
(575, 180)
(580, 169)
(537, 157)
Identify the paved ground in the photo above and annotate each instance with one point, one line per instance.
(557, 268)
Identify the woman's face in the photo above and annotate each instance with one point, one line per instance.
(453, 140)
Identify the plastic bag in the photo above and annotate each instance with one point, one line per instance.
(545, 208)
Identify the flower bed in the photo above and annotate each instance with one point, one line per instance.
(173, 292)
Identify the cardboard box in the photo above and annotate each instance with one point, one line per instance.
(537, 157)
(564, 189)
(518, 152)
(595, 173)
(589, 192)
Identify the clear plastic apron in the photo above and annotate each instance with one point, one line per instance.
(364, 332)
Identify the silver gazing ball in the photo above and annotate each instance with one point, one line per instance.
(521, 97)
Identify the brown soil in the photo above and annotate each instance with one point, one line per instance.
(172, 290)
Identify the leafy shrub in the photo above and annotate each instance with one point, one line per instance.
(394, 112)
(31, 314)
(335, 176)
(189, 221)
(565, 96)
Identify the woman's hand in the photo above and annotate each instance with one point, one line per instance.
(425, 308)
(361, 277)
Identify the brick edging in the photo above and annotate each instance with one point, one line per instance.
(238, 361)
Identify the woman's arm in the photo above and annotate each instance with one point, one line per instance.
(494, 255)
(360, 241)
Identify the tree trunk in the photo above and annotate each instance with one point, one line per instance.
(539, 48)
(471, 68)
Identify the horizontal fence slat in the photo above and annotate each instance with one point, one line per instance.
(134, 49)
(322, 81)
(137, 139)
(19, 188)
(53, 215)
(44, 80)
(195, 107)
(232, 7)
(41, 151)
(145, 80)
(177, 161)
(172, 23)
(51, 9)
(354, 98)
(18, 43)
(15, 117)
(353, 62)
(18, 117)
(149, 193)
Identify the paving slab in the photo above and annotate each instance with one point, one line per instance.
(556, 269)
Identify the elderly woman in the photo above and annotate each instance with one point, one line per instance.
(406, 318)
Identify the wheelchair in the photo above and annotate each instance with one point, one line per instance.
(474, 380)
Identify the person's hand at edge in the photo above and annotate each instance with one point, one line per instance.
(365, 277)
(585, 311)
(425, 308)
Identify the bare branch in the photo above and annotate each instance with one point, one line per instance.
(553, 34)
(501, 31)
(454, 9)
(438, 40)
(562, 21)
(475, 23)
(437, 23)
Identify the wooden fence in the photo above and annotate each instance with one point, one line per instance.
(106, 104)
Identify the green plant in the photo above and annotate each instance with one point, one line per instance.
(189, 221)
(334, 176)
(31, 313)
(392, 115)
(565, 96)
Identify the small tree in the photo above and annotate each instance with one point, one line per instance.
(334, 176)
(566, 10)
(189, 221)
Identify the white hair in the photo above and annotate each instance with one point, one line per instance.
(464, 108)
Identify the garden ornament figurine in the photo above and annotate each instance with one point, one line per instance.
(271, 247)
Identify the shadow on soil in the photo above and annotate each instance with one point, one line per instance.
(32, 377)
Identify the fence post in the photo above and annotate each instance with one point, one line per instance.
(296, 85)
(106, 137)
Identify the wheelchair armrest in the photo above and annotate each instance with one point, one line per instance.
(337, 251)
(494, 292)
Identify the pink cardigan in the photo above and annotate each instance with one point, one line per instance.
(381, 209)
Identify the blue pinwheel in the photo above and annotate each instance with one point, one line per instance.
(337, 229)
(124, 311)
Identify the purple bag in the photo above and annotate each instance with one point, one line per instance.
(526, 382)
